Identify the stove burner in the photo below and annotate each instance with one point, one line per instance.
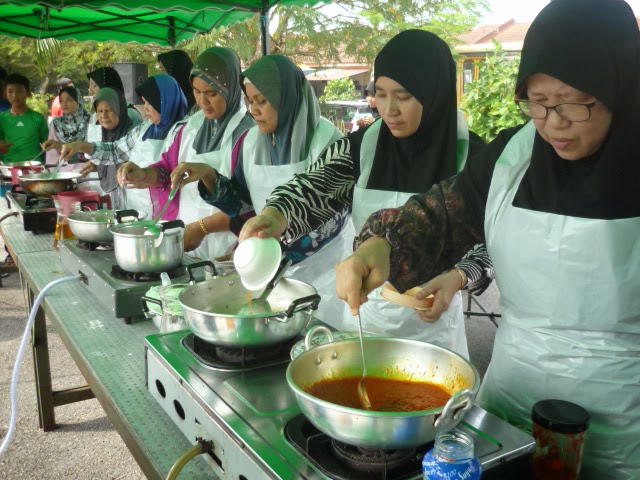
(369, 460)
(240, 358)
(121, 274)
(340, 461)
(31, 201)
(91, 246)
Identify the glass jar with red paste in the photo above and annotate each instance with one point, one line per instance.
(559, 428)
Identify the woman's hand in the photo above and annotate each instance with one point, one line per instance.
(69, 149)
(51, 145)
(193, 236)
(132, 175)
(195, 171)
(87, 168)
(443, 288)
(270, 223)
(362, 272)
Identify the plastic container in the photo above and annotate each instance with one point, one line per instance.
(559, 428)
(452, 456)
(257, 260)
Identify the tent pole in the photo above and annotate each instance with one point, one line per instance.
(264, 27)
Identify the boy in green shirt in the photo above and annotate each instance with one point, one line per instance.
(22, 130)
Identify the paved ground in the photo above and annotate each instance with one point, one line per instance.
(86, 445)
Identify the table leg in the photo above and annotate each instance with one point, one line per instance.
(40, 346)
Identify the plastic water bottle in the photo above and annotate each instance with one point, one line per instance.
(451, 458)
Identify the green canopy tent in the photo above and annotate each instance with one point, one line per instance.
(165, 22)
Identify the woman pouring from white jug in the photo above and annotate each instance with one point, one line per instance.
(421, 139)
(289, 134)
(556, 200)
(208, 137)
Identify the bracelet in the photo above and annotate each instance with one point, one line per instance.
(463, 277)
(203, 227)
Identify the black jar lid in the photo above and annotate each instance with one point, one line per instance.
(560, 416)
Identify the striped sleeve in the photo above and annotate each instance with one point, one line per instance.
(478, 267)
(314, 197)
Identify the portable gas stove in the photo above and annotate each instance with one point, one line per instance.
(114, 287)
(249, 412)
(38, 213)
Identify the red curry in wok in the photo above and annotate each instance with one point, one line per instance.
(386, 394)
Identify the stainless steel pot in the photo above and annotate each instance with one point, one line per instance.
(388, 358)
(95, 225)
(5, 168)
(211, 310)
(137, 252)
(44, 185)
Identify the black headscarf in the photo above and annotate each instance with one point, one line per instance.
(422, 63)
(178, 64)
(107, 77)
(593, 46)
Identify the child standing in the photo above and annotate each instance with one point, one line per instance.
(22, 130)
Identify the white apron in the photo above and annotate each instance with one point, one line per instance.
(192, 207)
(379, 316)
(318, 269)
(570, 329)
(143, 154)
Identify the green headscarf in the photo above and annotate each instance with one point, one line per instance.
(298, 110)
(220, 68)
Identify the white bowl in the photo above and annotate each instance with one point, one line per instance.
(256, 260)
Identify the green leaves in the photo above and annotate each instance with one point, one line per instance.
(341, 89)
(488, 101)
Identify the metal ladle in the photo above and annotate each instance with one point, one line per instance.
(362, 391)
(152, 226)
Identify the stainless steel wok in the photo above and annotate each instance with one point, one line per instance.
(212, 311)
(387, 358)
(95, 225)
(44, 184)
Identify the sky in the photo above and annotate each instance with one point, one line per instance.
(526, 10)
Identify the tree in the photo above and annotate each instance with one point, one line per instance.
(488, 101)
(341, 89)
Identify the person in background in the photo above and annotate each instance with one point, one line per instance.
(421, 139)
(4, 103)
(164, 107)
(289, 134)
(22, 130)
(178, 64)
(101, 78)
(71, 126)
(556, 201)
(111, 111)
(208, 137)
(370, 97)
(56, 110)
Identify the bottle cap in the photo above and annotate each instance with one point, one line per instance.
(560, 416)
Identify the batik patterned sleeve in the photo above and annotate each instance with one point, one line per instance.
(115, 153)
(427, 235)
(316, 196)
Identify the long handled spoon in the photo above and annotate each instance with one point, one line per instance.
(362, 391)
(152, 228)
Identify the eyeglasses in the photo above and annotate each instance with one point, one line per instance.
(573, 112)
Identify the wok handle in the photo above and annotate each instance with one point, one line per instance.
(120, 214)
(146, 299)
(171, 224)
(459, 404)
(193, 266)
(86, 203)
(303, 303)
(308, 338)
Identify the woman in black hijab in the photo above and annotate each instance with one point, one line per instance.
(414, 145)
(556, 202)
(178, 64)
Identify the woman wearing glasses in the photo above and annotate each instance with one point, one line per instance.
(556, 201)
